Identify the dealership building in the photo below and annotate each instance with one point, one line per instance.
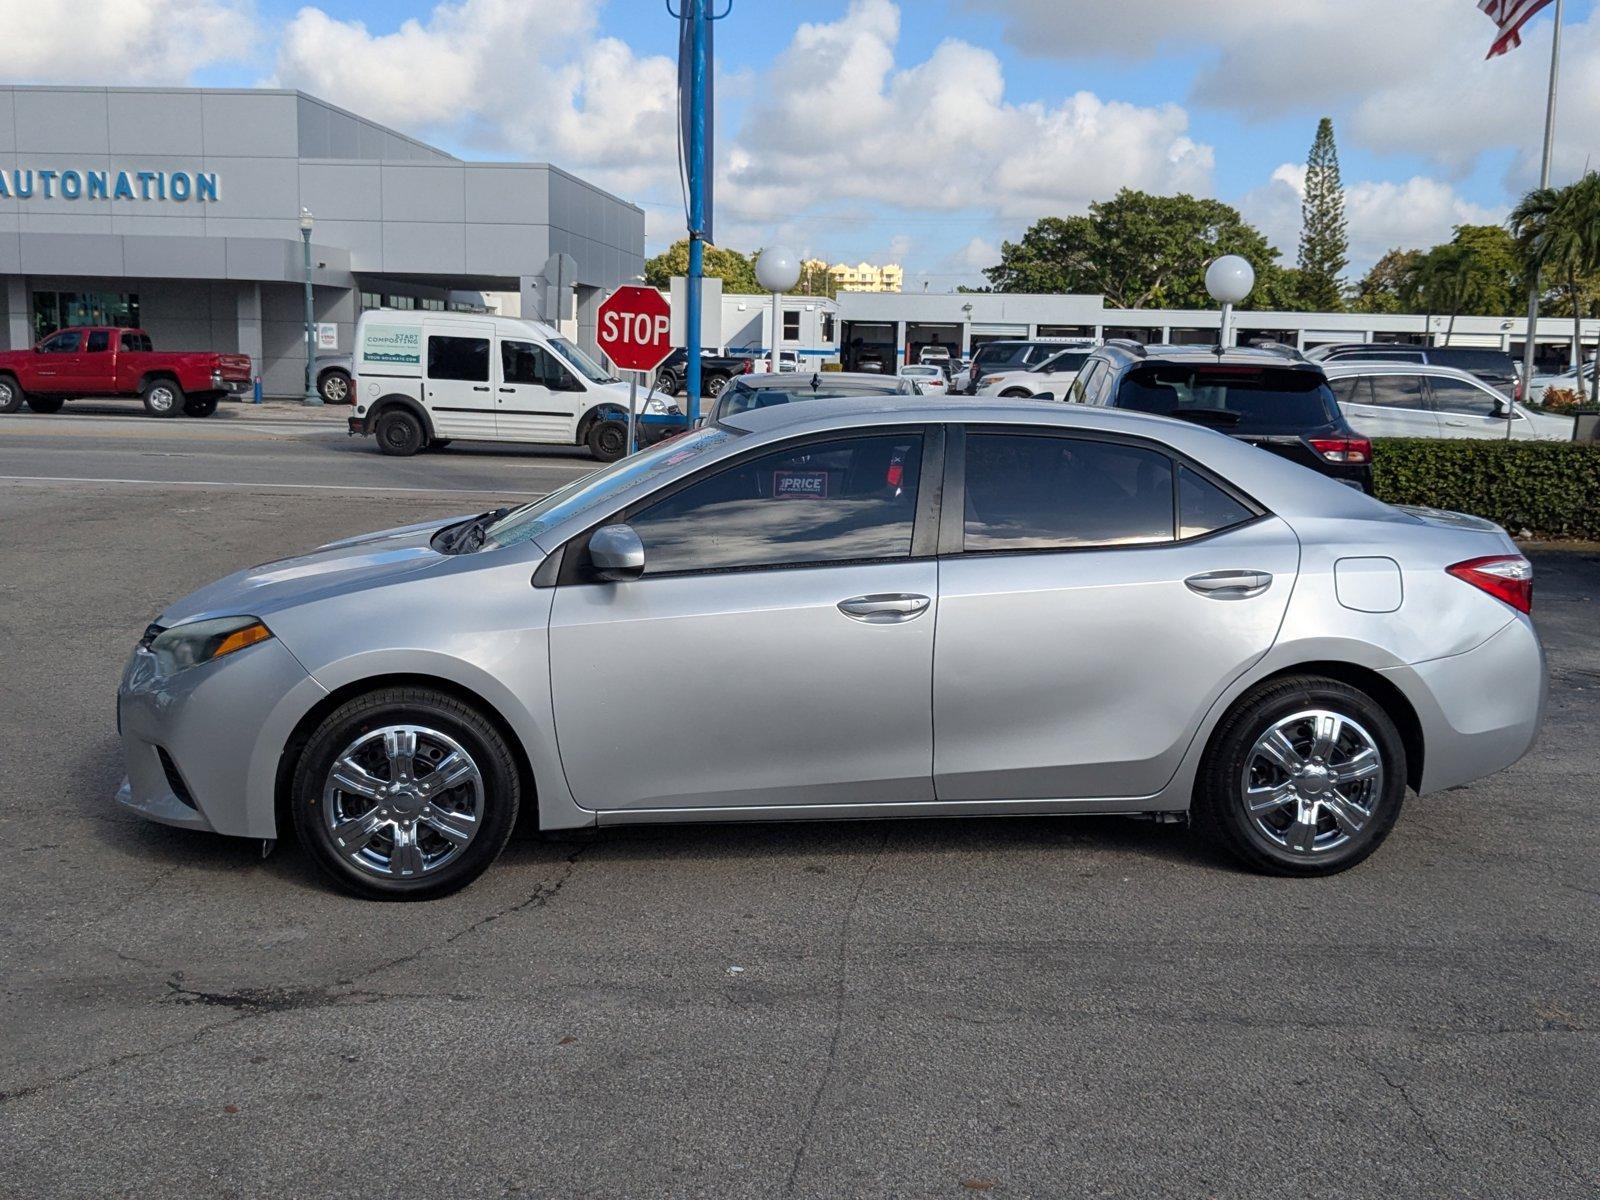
(179, 210)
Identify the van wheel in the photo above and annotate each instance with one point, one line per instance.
(46, 404)
(199, 406)
(11, 396)
(607, 440)
(162, 398)
(399, 433)
(1304, 776)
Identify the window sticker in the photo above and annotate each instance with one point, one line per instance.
(799, 485)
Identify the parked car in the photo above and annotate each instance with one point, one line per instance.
(1273, 399)
(929, 378)
(1049, 379)
(1134, 615)
(715, 371)
(1567, 380)
(1013, 355)
(1416, 400)
(766, 391)
(103, 360)
(334, 375)
(424, 378)
(1495, 367)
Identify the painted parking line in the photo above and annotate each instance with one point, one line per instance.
(292, 487)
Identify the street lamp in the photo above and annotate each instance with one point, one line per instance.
(778, 271)
(1229, 280)
(311, 398)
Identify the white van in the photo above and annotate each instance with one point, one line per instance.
(422, 379)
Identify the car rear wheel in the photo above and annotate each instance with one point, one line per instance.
(405, 794)
(607, 440)
(335, 387)
(46, 404)
(666, 383)
(162, 398)
(11, 396)
(1304, 776)
(399, 433)
(714, 385)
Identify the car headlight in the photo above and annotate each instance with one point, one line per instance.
(659, 406)
(183, 646)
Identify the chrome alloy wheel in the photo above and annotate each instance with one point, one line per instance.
(1313, 781)
(402, 801)
(162, 398)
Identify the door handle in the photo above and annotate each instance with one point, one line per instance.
(504, 389)
(1229, 585)
(480, 387)
(885, 608)
(1456, 421)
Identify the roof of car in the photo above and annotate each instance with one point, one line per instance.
(1375, 366)
(797, 379)
(1233, 356)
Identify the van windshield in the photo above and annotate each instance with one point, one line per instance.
(581, 362)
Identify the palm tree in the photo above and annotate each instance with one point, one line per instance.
(1558, 235)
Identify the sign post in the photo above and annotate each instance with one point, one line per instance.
(634, 328)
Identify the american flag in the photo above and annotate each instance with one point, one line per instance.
(1509, 17)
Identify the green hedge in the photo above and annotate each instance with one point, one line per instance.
(1538, 489)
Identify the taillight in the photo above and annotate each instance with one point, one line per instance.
(1350, 451)
(1516, 392)
(1507, 577)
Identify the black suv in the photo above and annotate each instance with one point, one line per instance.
(1495, 367)
(1274, 399)
(715, 371)
(1011, 355)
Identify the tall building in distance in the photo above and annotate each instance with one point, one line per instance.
(865, 277)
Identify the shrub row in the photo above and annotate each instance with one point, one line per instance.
(1537, 489)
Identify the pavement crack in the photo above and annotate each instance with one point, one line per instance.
(1422, 1120)
(803, 1147)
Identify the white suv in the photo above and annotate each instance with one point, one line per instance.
(1411, 399)
(422, 379)
(1050, 378)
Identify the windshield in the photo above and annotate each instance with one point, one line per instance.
(738, 398)
(596, 489)
(1239, 400)
(1067, 360)
(581, 362)
(922, 372)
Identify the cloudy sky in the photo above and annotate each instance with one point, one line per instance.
(925, 131)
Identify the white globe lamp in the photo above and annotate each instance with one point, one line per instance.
(777, 270)
(1229, 280)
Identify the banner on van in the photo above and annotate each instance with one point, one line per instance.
(391, 344)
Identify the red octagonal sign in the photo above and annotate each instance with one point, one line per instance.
(635, 328)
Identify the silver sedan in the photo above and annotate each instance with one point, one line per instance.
(845, 609)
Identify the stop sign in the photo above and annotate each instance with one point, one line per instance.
(635, 328)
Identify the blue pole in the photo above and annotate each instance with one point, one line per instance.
(697, 200)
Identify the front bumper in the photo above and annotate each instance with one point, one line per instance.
(201, 746)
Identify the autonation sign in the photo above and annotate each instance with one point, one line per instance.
(23, 183)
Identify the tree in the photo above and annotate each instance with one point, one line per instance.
(1501, 286)
(814, 279)
(738, 273)
(1324, 243)
(1558, 235)
(1139, 251)
(1389, 286)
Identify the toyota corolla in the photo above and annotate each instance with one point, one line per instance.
(836, 610)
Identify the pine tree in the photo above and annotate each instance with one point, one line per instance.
(1324, 244)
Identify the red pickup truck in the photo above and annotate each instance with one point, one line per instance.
(100, 360)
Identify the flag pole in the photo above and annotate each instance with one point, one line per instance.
(1544, 182)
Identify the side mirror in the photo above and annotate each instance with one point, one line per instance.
(616, 553)
(1503, 408)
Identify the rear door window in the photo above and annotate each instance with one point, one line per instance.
(1271, 400)
(1205, 508)
(99, 341)
(1036, 492)
(841, 500)
(137, 342)
(1462, 399)
(1399, 391)
(463, 358)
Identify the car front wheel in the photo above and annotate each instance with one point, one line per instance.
(405, 793)
(11, 396)
(607, 440)
(335, 387)
(1304, 776)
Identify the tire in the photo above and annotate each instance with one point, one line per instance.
(334, 387)
(11, 394)
(1016, 394)
(607, 440)
(438, 443)
(46, 404)
(714, 383)
(667, 383)
(1301, 834)
(162, 397)
(408, 843)
(400, 433)
(199, 406)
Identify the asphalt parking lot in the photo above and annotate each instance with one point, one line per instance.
(1074, 1007)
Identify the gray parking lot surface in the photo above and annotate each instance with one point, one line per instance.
(1072, 1007)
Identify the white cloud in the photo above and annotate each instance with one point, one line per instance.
(840, 117)
(121, 41)
(1406, 75)
(1379, 215)
(529, 77)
